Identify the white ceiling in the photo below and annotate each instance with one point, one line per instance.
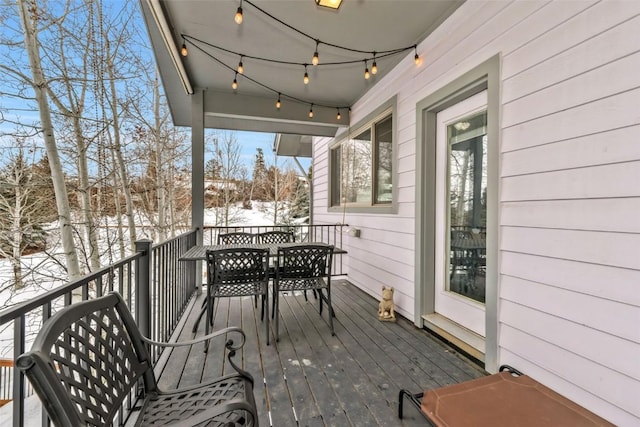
(368, 25)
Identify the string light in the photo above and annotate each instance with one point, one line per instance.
(238, 17)
(183, 49)
(338, 116)
(240, 66)
(374, 66)
(196, 44)
(305, 79)
(234, 85)
(366, 71)
(316, 59)
(416, 57)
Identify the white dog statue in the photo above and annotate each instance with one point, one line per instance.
(386, 308)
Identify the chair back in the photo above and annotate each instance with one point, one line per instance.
(270, 237)
(236, 238)
(304, 261)
(238, 272)
(85, 360)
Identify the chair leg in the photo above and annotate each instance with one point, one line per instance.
(276, 313)
(265, 304)
(206, 322)
(212, 302)
(321, 298)
(330, 308)
(273, 304)
(203, 311)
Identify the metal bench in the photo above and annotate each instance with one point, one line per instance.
(90, 358)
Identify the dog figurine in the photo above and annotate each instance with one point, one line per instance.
(386, 308)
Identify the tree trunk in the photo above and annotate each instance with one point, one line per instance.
(17, 238)
(57, 174)
(84, 196)
(117, 148)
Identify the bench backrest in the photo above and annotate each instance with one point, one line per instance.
(85, 360)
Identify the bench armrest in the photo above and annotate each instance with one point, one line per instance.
(230, 344)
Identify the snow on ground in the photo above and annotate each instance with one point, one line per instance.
(46, 274)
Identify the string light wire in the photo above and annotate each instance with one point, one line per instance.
(277, 92)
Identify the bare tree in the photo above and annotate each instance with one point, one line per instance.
(232, 176)
(281, 188)
(20, 208)
(29, 18)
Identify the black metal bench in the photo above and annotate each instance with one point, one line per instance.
(89, 357)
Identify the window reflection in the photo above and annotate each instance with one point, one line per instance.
(467, 190)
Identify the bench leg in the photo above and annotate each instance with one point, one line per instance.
(414, 399)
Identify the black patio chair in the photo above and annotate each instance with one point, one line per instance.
(90, 356)
(270, 237)
(302, 268)
(238, 272)
(236, 238)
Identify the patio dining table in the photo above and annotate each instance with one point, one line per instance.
(199, 252)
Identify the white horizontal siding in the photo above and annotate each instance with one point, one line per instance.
(569, 269)
(611, 180)
(612, 351)
(607, 214)
(611, 146)
(597, 280)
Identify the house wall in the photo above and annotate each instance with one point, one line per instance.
(569, 199)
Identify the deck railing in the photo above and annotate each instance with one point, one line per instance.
(326, 233)
(155, 284)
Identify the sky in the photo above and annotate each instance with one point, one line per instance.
(11, 109)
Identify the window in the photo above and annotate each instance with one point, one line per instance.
(362, 166)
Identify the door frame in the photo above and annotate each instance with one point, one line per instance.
(485, 76)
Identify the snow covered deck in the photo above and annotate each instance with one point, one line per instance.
(315, 379)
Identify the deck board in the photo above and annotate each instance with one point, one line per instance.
(310, 378)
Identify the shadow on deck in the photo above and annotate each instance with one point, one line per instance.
(310, 378)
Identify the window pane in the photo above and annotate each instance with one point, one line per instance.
(357, 179)
(468, 205)
(384, 161)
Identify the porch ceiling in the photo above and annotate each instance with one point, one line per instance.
(368, 25)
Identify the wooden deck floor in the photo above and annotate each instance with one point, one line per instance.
(310, 378)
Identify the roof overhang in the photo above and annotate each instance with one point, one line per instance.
(214, 41)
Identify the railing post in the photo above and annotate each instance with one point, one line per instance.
(143, 287)
(18, 377)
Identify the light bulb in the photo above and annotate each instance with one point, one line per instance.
(238, 17)
(417, 59)
(306, 78)
(338, 116)
(311, 112)
(315, 58)
(366, 74)
(183, 50)
(278, 103)
(374, 68)
(234, 85)
(240, 67)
